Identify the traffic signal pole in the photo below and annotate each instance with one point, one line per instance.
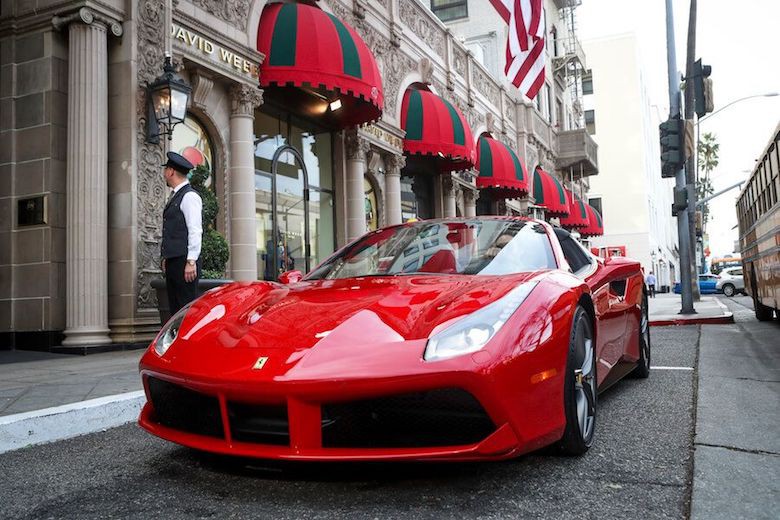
(682, 216)
(690, 165)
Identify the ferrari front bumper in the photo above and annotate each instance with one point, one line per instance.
(426, 420)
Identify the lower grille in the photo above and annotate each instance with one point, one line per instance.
(184, 409)
(262, 424)
(445, 417)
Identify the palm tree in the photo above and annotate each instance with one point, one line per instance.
(708, 161)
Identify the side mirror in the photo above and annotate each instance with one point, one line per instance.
(289, 277)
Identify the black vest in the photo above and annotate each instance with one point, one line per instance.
(174, 235)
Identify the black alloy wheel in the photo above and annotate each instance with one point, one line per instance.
(579, 389)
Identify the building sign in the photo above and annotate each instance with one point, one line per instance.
(194, 41)
(384, 136)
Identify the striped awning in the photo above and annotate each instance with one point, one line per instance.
(578, 213)
(436, 128)
(595, 225)
(549, 194)
(500, 170)
(306, 47)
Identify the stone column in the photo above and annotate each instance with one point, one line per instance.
(243, 236)
(86, 320)
(356, 150)
(470, 203)
(448, 192)
(393, 166)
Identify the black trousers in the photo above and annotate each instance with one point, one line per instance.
(180, 292)
(651, 288)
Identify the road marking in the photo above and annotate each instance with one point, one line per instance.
(671, 368)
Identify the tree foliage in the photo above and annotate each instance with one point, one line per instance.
(215, 252)
(708, 160)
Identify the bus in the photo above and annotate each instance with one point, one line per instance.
(719, 264)
(758, 215)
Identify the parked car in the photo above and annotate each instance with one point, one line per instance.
(731, 282)
(476, 338)
(707, 284)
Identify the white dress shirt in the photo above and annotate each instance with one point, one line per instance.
(192, 207)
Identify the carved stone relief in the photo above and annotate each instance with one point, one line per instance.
(150, 184)
(234, 12)
(244, 99)
(420, 23)
(460, 59)
(485, 85)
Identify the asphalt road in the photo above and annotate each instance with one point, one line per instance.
(640, 466)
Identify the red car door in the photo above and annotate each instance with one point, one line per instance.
(608, 285)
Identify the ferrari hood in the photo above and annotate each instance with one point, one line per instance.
(359, 311)
(344, 319)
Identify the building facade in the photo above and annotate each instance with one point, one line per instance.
(299, 169)
(635, 201)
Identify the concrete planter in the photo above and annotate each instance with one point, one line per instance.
(158, 284)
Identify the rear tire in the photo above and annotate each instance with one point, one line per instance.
(642, 370)
(729, 290)
(763, 313)
(579, 387)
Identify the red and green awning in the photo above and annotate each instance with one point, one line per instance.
(549, 194)
(500, 170)
(435, 127)
(306, 47)
(595, 225)
(578, 213)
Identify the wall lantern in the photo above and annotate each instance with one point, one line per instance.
(166, 101)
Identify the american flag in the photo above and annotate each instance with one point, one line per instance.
(525, 57)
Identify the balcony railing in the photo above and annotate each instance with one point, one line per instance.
(577, 150)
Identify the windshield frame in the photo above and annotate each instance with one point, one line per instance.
(553, 259)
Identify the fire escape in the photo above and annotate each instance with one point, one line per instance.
(577, 152)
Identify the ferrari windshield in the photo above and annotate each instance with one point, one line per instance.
(470, 247)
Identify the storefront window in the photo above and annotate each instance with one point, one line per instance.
(192, 142)
(288, 234)
(372, 217)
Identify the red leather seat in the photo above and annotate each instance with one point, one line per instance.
(442, 261)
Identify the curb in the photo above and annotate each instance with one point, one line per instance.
(725, 319)
(69, 420)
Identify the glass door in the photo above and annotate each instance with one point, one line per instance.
(289, 213)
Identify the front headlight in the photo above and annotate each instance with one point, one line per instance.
(170, 331)
(473, 332)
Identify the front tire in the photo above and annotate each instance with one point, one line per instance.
(642, 370)
(729, 290)
(579, 388)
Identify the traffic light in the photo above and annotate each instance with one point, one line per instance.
(680, 200)
(672, 140)
(703, 101)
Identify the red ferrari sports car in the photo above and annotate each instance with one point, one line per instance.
(453, 339)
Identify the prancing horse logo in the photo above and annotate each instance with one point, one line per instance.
(260, 363)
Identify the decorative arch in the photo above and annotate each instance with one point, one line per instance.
(408, 80)
(220, 159)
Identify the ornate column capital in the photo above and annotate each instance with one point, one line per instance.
(469, 196)
(88, 16)
(244, 99)
(447, 184)
(356, 146)
(394, 163)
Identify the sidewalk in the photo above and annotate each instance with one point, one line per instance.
(737, 444)
(46, 397)
(665, 310)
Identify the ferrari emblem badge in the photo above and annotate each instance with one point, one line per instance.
(260, 363)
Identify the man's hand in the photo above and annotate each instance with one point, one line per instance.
(162, 264)
(190, 272)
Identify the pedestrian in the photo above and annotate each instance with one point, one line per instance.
(651, 281)
(182, 234)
